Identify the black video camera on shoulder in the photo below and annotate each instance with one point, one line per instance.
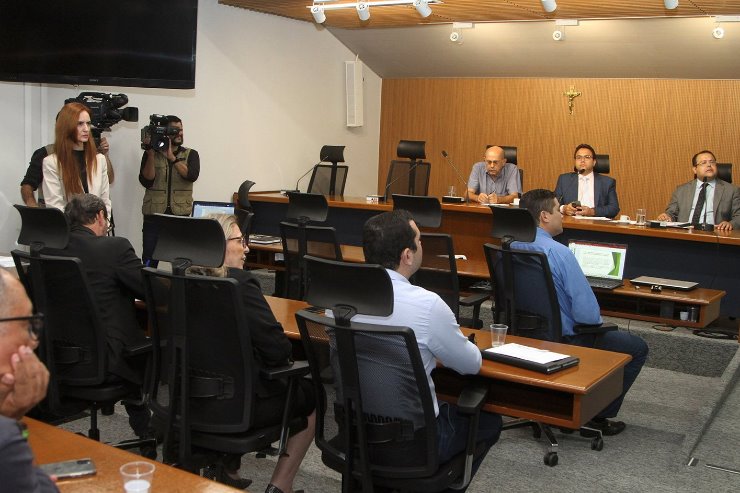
(157, 134)
(106, 110)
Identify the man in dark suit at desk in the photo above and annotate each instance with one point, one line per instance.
(716, 202)
(114, 273)
(392, 240)
(596, 194)
(577, 301)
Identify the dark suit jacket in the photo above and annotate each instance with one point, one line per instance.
(605, 193)
(726, 203)
(17, 472)
(114, 273)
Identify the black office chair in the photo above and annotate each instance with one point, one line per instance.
(385, 433)
(724, 172)
(73, 344)
(526, 299)
(329, 179)
(408, 177)
(203, 391)
(245, 219)
(243, 195)
(299, 241)
(438, 271)
(602, 164)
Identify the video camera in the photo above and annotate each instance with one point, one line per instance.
(105, 110)
(159, 132)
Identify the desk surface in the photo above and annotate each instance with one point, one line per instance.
(578, 393)
(52, 444)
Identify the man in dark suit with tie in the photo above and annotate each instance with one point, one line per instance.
(593, 194)
(714, 202)
(114, 273)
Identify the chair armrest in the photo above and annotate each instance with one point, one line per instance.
(140, 348)
(474, 299)
(595, 329)
(471, 399)
(295, 369)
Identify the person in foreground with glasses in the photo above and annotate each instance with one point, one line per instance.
(585, 192)
(23, 381)
(114, 273)
(493, 180)
(272, 348)
(716, 202)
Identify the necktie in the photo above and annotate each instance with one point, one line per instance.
(696, 218)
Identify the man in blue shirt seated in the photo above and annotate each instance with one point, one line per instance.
(577, 302)
(392, 240)
(493, 180)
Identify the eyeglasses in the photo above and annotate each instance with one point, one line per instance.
(35, 324)
(584, 158)
(242, 239)
(495, 161)
(707, 162)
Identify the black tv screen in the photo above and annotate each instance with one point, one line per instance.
(142, 43)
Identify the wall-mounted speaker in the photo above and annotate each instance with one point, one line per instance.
(354, 89)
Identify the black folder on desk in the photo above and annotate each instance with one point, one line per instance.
(547, 368)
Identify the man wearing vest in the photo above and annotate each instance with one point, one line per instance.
(168, 177)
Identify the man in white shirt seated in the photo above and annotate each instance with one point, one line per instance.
(717, 202)
(585, 192)
(392, 240)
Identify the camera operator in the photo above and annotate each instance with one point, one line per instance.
(168, 177)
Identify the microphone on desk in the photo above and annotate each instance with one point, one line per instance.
(296, 189)
(459, 177)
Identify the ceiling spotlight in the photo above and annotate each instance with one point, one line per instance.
(670, 4)
(318, 14)
(363, 11)
(549, 5)
(558, 35)
(718, 33)
(422, 6)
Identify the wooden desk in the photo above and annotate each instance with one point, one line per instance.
(568, 398)
(711, 259)
(52, 444)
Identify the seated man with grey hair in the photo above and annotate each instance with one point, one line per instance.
(114, 273)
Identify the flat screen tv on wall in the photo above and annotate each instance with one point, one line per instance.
(139, 43)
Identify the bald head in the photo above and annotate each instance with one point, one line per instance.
(495, 160)
(15, 302)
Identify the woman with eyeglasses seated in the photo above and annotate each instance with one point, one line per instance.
(76, 167)
(271, 349)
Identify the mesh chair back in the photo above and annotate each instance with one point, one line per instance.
(321, 179)
(407, 178)
(535, 311)
(438, 271)
(208, 353)
(299, 241)
(390, 434)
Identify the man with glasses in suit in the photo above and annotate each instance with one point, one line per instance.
(705, 199)
(585, 192)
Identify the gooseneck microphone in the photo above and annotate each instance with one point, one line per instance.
(296, 189)
(466, 198)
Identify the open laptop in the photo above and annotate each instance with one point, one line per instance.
(602, 263)
(202, 208)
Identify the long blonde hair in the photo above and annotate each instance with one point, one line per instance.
(65, 133)
(227, 221)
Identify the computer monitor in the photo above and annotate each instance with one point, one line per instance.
(605, 260)
(203, 208)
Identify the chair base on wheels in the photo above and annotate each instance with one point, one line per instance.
(538, 429)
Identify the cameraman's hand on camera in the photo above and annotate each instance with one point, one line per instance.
(170, 155)
(103, 147)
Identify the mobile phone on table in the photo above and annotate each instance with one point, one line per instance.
(576, 204)
(69, 468)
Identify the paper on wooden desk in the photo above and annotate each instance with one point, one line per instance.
(527, 353)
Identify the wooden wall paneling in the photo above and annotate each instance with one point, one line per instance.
(649, 128)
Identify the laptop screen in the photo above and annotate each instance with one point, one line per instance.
(605, 260)
(202, 208)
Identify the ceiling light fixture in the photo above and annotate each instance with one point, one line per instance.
(318, 14)
(670, 4)
(363, 11)
(363, 8)
(422, 6)
(549, 5)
